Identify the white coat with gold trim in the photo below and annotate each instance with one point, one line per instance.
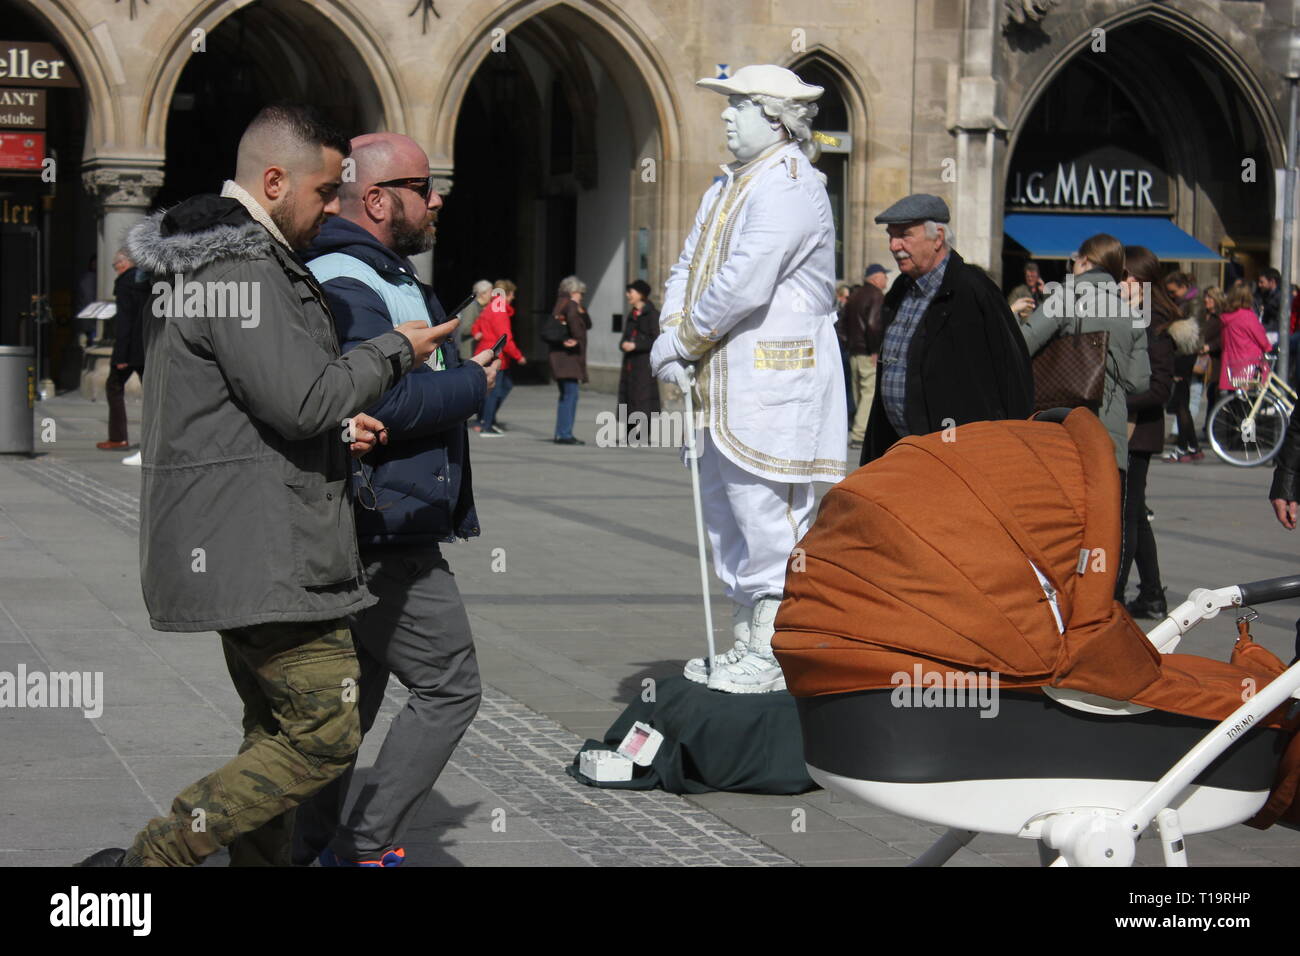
(751, 301)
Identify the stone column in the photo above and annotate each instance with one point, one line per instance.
(123, 190)
(981, 152)
(975, 120)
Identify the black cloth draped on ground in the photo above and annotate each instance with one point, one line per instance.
(746, 743)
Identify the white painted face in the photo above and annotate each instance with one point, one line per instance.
(749, 132)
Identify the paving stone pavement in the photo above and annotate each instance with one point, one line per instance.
(595, 595)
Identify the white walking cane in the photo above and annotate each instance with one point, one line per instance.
(699, 519)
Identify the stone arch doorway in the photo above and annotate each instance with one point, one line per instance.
(1168, 108)
(841, 113)
(558, 164)
(264, 52)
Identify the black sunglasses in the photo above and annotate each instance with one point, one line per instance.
(423, 185)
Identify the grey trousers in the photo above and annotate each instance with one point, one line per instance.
(418, 632)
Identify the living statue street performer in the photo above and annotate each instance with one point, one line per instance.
(749, 323)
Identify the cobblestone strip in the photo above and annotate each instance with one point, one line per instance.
(520, 755)
(119, 508)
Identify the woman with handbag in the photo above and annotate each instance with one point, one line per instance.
(1185, 333)
(566, 335)
(1147, 414)
(1098, 268)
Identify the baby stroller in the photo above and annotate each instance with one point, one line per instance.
(950, 636)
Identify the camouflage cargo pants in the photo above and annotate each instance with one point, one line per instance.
(298, 682)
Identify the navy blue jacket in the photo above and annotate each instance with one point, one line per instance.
(422, 476)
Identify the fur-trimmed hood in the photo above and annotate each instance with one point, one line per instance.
(1186, 334)
(196, 233)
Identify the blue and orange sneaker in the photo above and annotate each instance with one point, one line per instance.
(391, 858)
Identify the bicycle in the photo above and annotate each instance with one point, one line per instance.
(1248, 425)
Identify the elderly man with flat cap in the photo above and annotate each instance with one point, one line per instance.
(750, 306)
(952, 352)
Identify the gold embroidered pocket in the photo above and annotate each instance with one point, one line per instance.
(785, 354)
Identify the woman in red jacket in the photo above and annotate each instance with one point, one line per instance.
(492, 323)
(1243, 339)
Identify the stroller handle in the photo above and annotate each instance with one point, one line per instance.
(1270, 589)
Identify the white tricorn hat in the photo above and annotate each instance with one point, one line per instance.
(763, 79)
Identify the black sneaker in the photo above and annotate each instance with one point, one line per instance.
(1149, 607)
(569, 441)
(113, 856)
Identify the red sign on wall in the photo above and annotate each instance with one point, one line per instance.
(22, 150)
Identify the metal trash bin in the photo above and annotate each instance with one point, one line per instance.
(17, 399)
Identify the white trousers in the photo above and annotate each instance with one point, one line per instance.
(753, 524)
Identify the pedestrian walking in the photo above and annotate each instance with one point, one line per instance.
(1284, 492)
(637, 389)
(842, 292)
(863, 324)
(496, 320)
(1211, 361)
(952, 352)
(568, 354)
(131, 292)
(245, 527)
(1098, 267)
(1146, 411)
(1185, 332)
(1268, 298)
(411, 496)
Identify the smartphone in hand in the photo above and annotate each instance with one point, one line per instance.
(496, 349)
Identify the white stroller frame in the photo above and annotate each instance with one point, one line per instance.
(1085, 822)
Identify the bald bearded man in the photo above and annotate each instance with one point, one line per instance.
(410, 496)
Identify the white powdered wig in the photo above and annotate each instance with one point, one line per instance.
(796, 116)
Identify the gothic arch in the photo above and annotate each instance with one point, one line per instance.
(1207, 31)
(632, 55)
(340, 14)
(852, 90)
(72, 32)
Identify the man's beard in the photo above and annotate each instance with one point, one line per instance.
(283, 215)
(410, 238)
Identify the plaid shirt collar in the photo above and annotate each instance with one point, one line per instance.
(927, 285)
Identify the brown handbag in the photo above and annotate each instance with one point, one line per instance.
(1071, 371)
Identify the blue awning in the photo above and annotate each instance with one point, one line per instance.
(1058, 237)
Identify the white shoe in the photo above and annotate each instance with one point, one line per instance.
(740, 617)
(132, 460)
(758, 671)
(752, 674)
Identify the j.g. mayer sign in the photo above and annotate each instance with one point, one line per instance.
(1110, 180)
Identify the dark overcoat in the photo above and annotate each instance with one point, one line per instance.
(967, 361)
(637, 388)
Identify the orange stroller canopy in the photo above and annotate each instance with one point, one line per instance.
(923, 558)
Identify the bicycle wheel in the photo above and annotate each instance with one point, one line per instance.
(1247, 444)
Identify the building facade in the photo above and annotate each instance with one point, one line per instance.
(569, 137)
